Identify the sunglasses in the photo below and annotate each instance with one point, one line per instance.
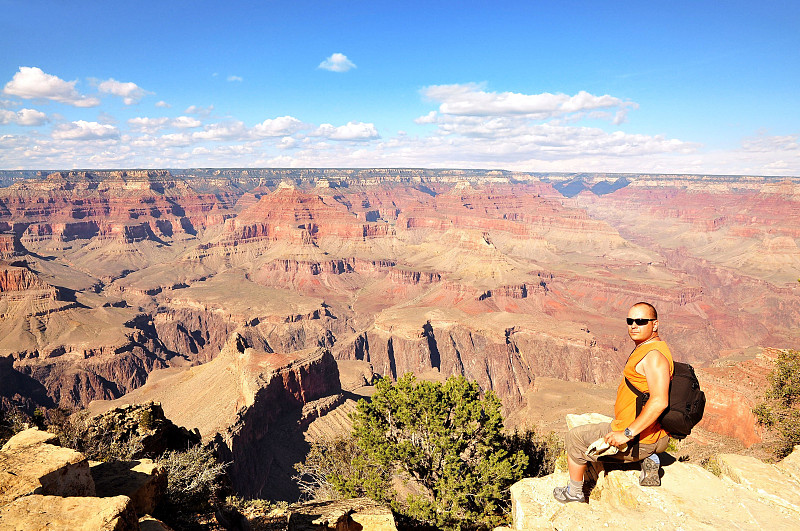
(640, 322)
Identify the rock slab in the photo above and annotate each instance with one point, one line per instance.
(39, 513)
(690, 497)
(142, 481)
(28, 467)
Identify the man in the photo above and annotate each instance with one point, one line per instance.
(649, 368)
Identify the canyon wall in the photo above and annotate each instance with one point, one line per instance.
(498, 276)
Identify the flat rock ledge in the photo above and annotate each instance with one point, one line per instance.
(47, 487)
(354, 514)
(76, 512)
(41, 468)
(748, 494)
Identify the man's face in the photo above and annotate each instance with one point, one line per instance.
(641, 332)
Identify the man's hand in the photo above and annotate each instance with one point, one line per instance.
(616, 438)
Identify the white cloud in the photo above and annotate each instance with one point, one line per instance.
(82, 130)
(186, 122)
(198, 110)
(31, 117)
(281, 126)
(163, 104)
(27, 117)
(429, 118)
(287, 142)
(235, 78)
(175, 140)
(337, 62)
(129, 92)
(233, 130)
(476, 129)
(147, 125)
(351, 131)
(471, 100)
(764, 143)
(32, 83)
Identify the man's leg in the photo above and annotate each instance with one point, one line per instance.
(648, 457)
(578, 440)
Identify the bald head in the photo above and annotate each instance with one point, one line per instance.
(649, 308)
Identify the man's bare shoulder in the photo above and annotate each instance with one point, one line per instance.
(655, 360)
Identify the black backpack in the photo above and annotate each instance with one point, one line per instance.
(686, 402)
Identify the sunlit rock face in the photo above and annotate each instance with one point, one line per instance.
(494, 275)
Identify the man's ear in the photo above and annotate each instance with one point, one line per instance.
(655, 325)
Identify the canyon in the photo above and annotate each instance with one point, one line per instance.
(232, 289)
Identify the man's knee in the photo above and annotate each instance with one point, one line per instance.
(576, 450)
(580, 437)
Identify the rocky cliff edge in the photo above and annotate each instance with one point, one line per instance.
(741, 493)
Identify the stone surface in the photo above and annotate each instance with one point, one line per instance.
(149, 523)
(145, 423)
(690, 497)
(586, 418)
(766, 480)
(791, 464)
(43, 469)
(341, 515)
(55, 513)
(30, 437)
(142, 481)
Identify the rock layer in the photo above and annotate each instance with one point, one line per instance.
(493, 275)
(749, 495)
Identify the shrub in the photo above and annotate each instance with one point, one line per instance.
(103, 441)
(543, 451)
(192, 478)
(339, 468)
(13, 421)
(443, 448)
(780, 409)
(448, 441)
(146, 420)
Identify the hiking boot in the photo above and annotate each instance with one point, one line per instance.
(649, 476)
(564, 495)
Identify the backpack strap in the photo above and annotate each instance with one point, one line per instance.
(635, 391)
(641, 399)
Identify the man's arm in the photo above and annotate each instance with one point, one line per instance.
(655, 368)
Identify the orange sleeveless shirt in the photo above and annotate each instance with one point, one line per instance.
(625, 406)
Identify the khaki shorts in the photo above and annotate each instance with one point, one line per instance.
(580, 438)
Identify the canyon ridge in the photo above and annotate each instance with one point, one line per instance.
(257, 304)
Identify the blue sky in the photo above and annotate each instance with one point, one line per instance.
(695, 87)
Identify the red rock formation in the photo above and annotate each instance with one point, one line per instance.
(516, 280)
(733, 388)
(243, 401)
(15, 278)
(83, 204)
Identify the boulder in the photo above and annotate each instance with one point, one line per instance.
(341, 515)
(74, 513)
(690, 497)
(764, 479)
(749, 495)
(42, 469)
(791, 464)
(148, 523)
(586, 418)
(142, 481)
(30, 437)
